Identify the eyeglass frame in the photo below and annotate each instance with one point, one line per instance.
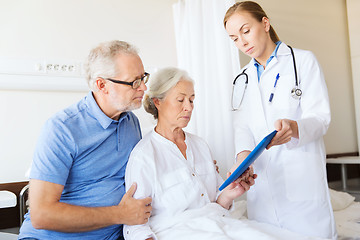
(144, 78)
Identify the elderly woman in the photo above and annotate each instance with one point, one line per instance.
(175, 168)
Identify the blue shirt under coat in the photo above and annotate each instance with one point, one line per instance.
(260, 68)
(87, 152)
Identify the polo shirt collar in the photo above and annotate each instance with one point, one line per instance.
(99, 115)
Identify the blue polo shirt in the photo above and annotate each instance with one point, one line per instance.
(259, 67)
(87, 152)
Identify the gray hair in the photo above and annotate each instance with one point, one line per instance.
(101, 60)
(162, 81)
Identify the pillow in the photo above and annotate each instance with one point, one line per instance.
(340, 200)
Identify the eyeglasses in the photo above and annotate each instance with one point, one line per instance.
(134, 84)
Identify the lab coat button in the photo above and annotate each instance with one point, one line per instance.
(202, 194)
(193, 174)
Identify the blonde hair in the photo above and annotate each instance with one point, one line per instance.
(255, 11)
(162, 81)
(101, 60)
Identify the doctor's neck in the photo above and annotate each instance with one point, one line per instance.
(268, 50)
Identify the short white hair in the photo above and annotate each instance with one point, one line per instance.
(160, 84)
(101, 60)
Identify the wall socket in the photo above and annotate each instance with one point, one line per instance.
(60, 68)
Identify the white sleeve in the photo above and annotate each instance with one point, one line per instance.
(315, 117)
(219, 182)
(243, 137)
(141, 173)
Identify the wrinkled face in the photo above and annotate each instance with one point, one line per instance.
(122, 97)
(249, 35)
(176, 108)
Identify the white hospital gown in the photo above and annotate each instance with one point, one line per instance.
(175, 184)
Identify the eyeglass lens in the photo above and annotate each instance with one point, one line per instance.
(137, 82)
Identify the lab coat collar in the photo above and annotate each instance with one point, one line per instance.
(283, 50)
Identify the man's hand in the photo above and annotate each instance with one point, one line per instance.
(216, 166)
(48, 212)
(134, 211)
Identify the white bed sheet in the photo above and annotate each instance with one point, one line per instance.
(213, 222)
(348, 222)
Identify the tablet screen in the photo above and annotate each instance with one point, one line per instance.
(248, 160)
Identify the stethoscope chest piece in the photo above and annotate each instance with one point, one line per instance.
(296, 93)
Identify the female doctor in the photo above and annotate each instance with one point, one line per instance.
(283, 88)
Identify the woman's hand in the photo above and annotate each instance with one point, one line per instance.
(286, 130)
(242, 184)
(233, 191)
(236, 188)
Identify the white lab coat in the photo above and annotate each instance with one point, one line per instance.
(291, 190)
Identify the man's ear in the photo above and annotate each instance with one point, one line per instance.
(101, 84)
(266, 23)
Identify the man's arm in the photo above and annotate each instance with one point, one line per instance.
(47, 212)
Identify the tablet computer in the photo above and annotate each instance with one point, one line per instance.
(248, 160)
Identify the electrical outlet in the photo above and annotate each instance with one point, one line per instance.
(61, 68)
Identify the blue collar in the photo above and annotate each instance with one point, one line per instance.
(99, 115)
(259, 67)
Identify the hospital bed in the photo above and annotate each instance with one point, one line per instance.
(7, 200)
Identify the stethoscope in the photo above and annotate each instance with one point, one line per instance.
(241, 81)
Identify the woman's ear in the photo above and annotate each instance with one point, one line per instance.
(266, 23)
(100, 84)
(156, 102)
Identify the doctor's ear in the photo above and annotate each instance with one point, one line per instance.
(266, 23)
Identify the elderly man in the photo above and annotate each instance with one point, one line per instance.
(77, 178)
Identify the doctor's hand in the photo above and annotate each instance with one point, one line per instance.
(286, 130)
(133, 211)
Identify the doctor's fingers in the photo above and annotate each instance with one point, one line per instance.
(279, 141)
(282, 136)
(286, 137)
(282, 124)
